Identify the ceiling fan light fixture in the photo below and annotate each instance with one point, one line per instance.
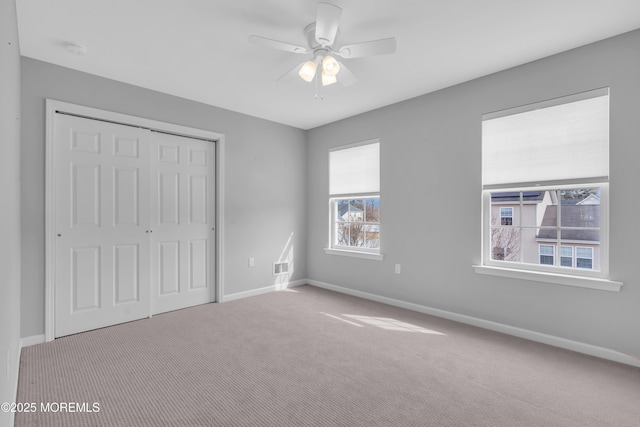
(308, 71)
(327, 79)
(330, 66)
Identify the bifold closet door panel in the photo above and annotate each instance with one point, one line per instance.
(182, 220)
(102, 265)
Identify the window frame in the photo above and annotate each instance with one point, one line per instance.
(334, 220)
(604, 233)
(594, 279)
(352, 251)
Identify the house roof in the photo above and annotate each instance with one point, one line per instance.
(514, 196)
(591, 199)
(572, 216)
(343, 207)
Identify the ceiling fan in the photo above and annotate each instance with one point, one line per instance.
(321, 39)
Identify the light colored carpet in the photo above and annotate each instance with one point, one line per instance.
(311, 357)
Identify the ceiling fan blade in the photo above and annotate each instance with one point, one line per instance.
(327, 22)
(275, 44)
(374, 47)
(345, 76)
(291, 74)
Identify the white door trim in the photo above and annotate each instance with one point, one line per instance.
(51, 107)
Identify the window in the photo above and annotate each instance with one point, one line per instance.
(584, 258)
(506, 216)
(357, 223)
(566, 256)
(547, 254)
(545, 173)
(354, 199)
(581, 257)
(554, 218)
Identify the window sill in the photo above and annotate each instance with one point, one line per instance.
(355, 254)
(560, 279)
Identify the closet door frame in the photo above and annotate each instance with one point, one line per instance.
(54, 107)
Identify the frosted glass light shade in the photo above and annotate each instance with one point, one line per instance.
(328, 80)
(308, 71)
(330, 66)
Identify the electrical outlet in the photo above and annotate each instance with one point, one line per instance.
(397, 268)
(252, 262)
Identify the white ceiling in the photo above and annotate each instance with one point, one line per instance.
(198, 49)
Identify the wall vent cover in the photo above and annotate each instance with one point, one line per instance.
(280, 268)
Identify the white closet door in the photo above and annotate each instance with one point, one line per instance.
(182, 220)
(101, 208)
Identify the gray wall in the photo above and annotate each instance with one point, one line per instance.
(10, 211)
(265, 177)
(431, 196)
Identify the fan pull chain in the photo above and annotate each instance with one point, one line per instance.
(321, 94)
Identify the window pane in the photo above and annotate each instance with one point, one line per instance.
(342, 234)
(580, 235)
(356, 210)
(566, 261)
(546, 250)
(356, 234)
(584, 263)
(533, 208)
(580, 207)
(372, 210)
(546, 259)
(372, 236)
(584, 252)
(580, 196)
(547, 233)
(342, 210)
(547, 210)
(505, 243)
(352, 234)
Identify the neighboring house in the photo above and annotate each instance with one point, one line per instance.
(354, 229)
(520, 235)
(580, 247)
(349, 213)
(592, 199)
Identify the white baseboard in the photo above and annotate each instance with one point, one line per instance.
(32, 340)
(266, 289)
(580, 347)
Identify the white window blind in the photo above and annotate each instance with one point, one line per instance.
(355, 169)
(558, 140)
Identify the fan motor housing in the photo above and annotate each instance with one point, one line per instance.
(310, 35)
